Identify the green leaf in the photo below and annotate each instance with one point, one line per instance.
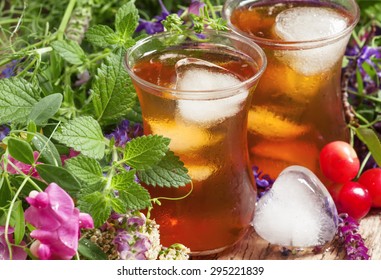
(5, 192)
(118, 205)
(20, 150)
(48, 151)
(46, 108)
(127, 19)
(19, 222)
(83, 134)
(169, 172)
(145, 151)
(134, 196)
(60, 176)
(97, 205)
(90, 250)
(371, 140)
(86, 169)
(70, 51)
(114, 96)
(17, 98)
(101, 36)
(32, 130)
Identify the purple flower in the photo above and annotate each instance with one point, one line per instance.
(4, 131)
(57, 223)
(195, 6)
(9, 70)
(263, 182)
(132, 247)
(351, 239)
(154, 26)
(125, 132)
(17, 252)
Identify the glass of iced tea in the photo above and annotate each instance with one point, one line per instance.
(196, 90)
(297, 107)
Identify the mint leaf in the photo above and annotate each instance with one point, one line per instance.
(145, 151)
(48, 151)
(70, 51)
(97, 205)
(83, 134)
(90, 250)
(134, 196)
(127, 19)
(60, 176)
(118, 205)
(371, 140)
(17, 98)
(86, 169)
(45, 108)
(169, 172)
(114, 96)
(101, 36)
(20, 150)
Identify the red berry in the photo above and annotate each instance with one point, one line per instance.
(334, 190)
(371, 180)
(354, 199)
(339, 162)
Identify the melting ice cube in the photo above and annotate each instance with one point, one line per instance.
(311, 23)
(297, 211)
(198, 76)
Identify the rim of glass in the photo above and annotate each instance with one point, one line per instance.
(220, 93)
(293, 45)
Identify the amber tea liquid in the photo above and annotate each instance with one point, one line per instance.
(208, 135)
(297, 106)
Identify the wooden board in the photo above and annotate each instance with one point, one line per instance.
(253, 247)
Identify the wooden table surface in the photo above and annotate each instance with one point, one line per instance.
(253, 247)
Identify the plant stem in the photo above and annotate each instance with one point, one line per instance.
(111, 174)
(9, 245)
(65, 19)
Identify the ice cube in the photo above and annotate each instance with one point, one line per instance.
(184, 138)
(199, 76)
(298, 211)
(306, 24)
(201, 172)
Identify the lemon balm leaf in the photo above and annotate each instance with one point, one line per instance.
(114, 96)
(17, 98)
(146, 151)
(127, 19)
(83, 134)
(70, 51)
(169, 172)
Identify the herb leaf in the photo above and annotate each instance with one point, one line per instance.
(48, 152)
(100, 35)
(70, 51)
(83, 134)
(146, 151)
(90, 250)
(20, 150)
(97, 205)
(370, 139)
(127, 19)
(60, 176)
(17, 98)
(134, 196)
(169, 172)
(114, 97)
(46, 108)
(86, 169)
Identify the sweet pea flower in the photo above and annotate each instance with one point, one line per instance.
(17, 252)
(57, 223)
(23, 167)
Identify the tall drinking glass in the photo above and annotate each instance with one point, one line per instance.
(297, 107)
(196, 90)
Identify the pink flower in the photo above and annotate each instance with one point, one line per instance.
(57, 223)
(17, 252)
(23, 167)
(72, 153)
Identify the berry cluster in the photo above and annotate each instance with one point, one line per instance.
(340, 164)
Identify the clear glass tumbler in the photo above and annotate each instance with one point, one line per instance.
(297, 107)
(196, 90)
